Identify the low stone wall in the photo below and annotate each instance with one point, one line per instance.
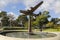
(12, 38)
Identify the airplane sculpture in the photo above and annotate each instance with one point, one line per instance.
(29, 12)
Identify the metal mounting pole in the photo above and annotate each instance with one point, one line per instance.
(29, 25)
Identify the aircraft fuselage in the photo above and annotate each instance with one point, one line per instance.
(28, 12)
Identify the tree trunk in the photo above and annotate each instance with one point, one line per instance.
(1, 24)
(10, 23)
(41, 28)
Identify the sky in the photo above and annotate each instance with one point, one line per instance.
(13, 6)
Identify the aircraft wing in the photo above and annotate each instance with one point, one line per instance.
(24, 12)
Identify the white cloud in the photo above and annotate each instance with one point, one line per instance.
(56, 6)
(0, 11)
(4, 3)
(30, 3)
(59, 17)
(14, 7)
(47, 5)
(12, 15)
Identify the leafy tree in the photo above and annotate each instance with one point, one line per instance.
(55, 20)
(42, 19)
(14, 23)
(11, 19)
(22, 19)
(5, 21)
(3, 15)
(50, 25)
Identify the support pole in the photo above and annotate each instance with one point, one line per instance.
(29, 25)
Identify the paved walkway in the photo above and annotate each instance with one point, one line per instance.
(10, 38)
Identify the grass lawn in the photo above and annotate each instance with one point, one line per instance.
(49, 30)
(52, 30)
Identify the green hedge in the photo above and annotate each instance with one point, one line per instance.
(14, 28)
